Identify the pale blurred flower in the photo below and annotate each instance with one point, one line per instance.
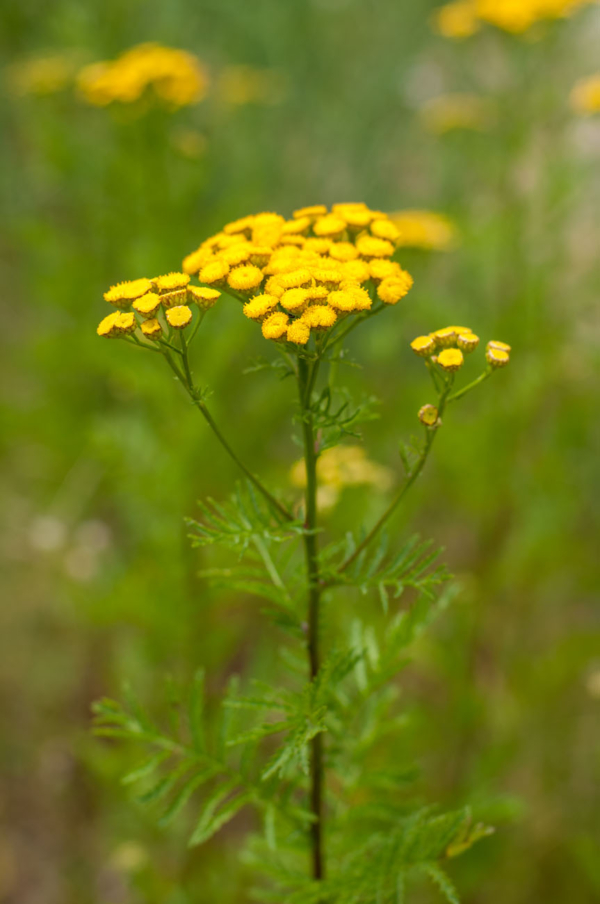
(342, 466)
(47, 533)
(592, 683)
(239, 85)
(425, 229)
(448, 112)
(129, 857)
(585, 96)
(41, 75)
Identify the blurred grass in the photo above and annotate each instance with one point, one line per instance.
(101, 457)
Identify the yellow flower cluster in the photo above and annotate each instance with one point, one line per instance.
(448, 346)
(339, 467)
(301, 275)
(155, 306)
(585, 96)
(176, 77)
(462, 18)
(424, 229)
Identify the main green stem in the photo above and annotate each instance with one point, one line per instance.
(306, 377)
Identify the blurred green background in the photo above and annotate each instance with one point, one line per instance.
(102, 456)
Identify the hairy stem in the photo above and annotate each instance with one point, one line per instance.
(410, 479)
(306, 378)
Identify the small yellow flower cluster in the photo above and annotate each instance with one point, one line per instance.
(156, 305)
(339, 467)
(177, 77)
(585, 96)
(462, 18)
(448, 346)
(301, 275)
(424, 229)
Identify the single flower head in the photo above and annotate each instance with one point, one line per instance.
(450, 359)
(179, 317)
(124, 293)
(429, 416)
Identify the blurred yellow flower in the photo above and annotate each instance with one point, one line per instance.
(342, 466)
(425, 229)
(462, 18)
(585, 96)
(239, 85)
(176, 77)
(41, 75)
(448, 112)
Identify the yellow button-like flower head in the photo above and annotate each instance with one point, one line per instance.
(329, 226)
(497, 357)
(370, 246)
(343, 301)
(260, 306)
(298, 332)
(294, 300)
(499, 346)
(317, 210)
(179, 317)
(275, 326)
(147, 305)
(428, 415)
(245, 278)
(392, 289)
(424, 346)
(382, 268)
(152, 329)
(214, 273)
(319, 317)
(204, 298)
(108, 327)
(124, 293)
(451, 359)
(385, 229)
(467, 342)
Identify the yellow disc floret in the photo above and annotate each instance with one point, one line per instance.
(152, 329)
(260, 306)
(204, 298)
(497, 357)
(467, 342)
(298, 332)
(424, 346)
(392, 289)
(124, 293)
(450, 359)
(275, 326)
(147, 305)
(245, 278)
(319, 317)
(214, 273)
(170, 282)
(179, 317)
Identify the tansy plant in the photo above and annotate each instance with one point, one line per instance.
(316, 754)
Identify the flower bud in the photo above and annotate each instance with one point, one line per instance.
(429, 416)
